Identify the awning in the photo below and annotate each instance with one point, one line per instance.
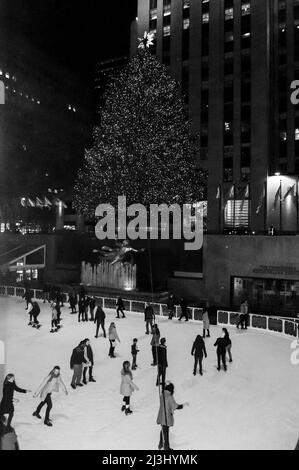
(18, 256)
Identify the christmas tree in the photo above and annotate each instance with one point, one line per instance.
(143, 147)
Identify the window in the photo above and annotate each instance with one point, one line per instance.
(206, 18)
(166, 7)
(229, 14)
(237, 214)
(245, 9)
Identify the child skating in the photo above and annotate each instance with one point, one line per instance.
(127, 387)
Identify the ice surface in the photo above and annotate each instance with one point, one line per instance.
(255, 405)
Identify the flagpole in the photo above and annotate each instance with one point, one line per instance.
(220, 207)
(280, 207)
(265, 202)
(297, 204)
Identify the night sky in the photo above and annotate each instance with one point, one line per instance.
(73, 33)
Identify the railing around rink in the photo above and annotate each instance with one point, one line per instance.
(134, 306)
(287, 326)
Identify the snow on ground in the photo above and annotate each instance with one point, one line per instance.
(255, 405)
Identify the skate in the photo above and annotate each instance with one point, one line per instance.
(79, 385)
(123, 408)
(91, 379)
(37, 415)
(128, 411)
(47, 422)
(194, 373)
(200, 372)
(30, 324)
(73, 386)
(84, 381)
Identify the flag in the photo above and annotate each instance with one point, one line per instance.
(23, 202)
(245, 196)
(47, 202)
(218, 195)
(261, 201)
(290, 192)
(30, 202)
(277, 197)
(230, 194)
(39, 202)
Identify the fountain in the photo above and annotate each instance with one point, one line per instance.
(105, 274)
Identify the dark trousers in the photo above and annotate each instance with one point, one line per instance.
(147, 324)
(184, 314)
(89, 371)
(154, 352)
(35, 320)
(134, 364)
(73, 307)
(198, 361)
(47, 401)
(54, 324)
(120, 310)
(102, 325)
(9, 419)
(112, 347)
(81, 314)
(242, 321)
(126, 401)
(221, 358)
(204, 333)
(171, 313)
(161, 376)
(164, 438)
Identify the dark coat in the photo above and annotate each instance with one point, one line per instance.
(35, 311)
(120, 304)
(199, 348)
(149, 313)
(221, 345)
(6, 405)
(183, 305)
(227, 340)
(99, 315)
(89, 352)
(134, 349)
(171, 302)
(92, 303)
(77, 357)
(162, 356)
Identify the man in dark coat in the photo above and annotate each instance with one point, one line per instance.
(171, 306)
(162, 362)
(89, 352)
(99, 319)
(35, 311)
(120, 307)
(76, 364)
(184, 309)
(81, 309)
(221, 352)
(149, 318)
(198, 351)
(92, 306)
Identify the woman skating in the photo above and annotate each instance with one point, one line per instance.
(52, 383)
(6, 405)
(206, 323)
(165, 416)
(155, 343)
(112, 336)
(228, 344)
(198, 351)
(127, 387)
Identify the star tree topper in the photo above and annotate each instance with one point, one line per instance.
(147, 41)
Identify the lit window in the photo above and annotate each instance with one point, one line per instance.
(206, 17)
(7, 75)
(166, 30)
(237, 214)
(1, 73)
(186, 23)
(246, 9)
(229, 13)
(283, 135)
(38, 102)
(70, 108)
(186, 4)
(297, 134)
(74, 109)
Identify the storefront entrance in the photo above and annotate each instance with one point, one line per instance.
(273, 296)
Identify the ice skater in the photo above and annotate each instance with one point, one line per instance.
(88, 354)
(243, 317)
(221, 352)
(6, 405)
(228, 344)
(28, 295)
(155, 343)
(134, 352)
(198, 351)
(206, 322)
(99, 319)
(149, 318)
(112, 336)
(127, 387)
(35, 311)
(184, 309)
(73, 302)
(76, 364)
(92, 306)
(171, 306)
(52, 383)
(54, 319)
(120, 308)
(161, 362)
(165, 416)
(81, 309)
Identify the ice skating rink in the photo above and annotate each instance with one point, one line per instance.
(255, 405)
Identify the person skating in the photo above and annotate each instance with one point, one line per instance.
(54, 319)
(155, 343)
(112, 336)
(206, 323)
(184, 309)
(149, 318)
(35, 311)
(88, 354)
(134, 352)
(171, 306)
(198, 351)
(161, 362)
(29, 311)
(76, 364)
(81, 309)
(228, 344)
(86, 308)
(52, 383)
(166, 414)
(120, 307)
(243, 317)
(8, 437)
(28, 295)
(127, 387)
(73, 302)
(221, 352)
(99, 319)
(92, 305)
(6, 405)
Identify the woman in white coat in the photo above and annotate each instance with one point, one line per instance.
(112, 336)
(127, 387)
